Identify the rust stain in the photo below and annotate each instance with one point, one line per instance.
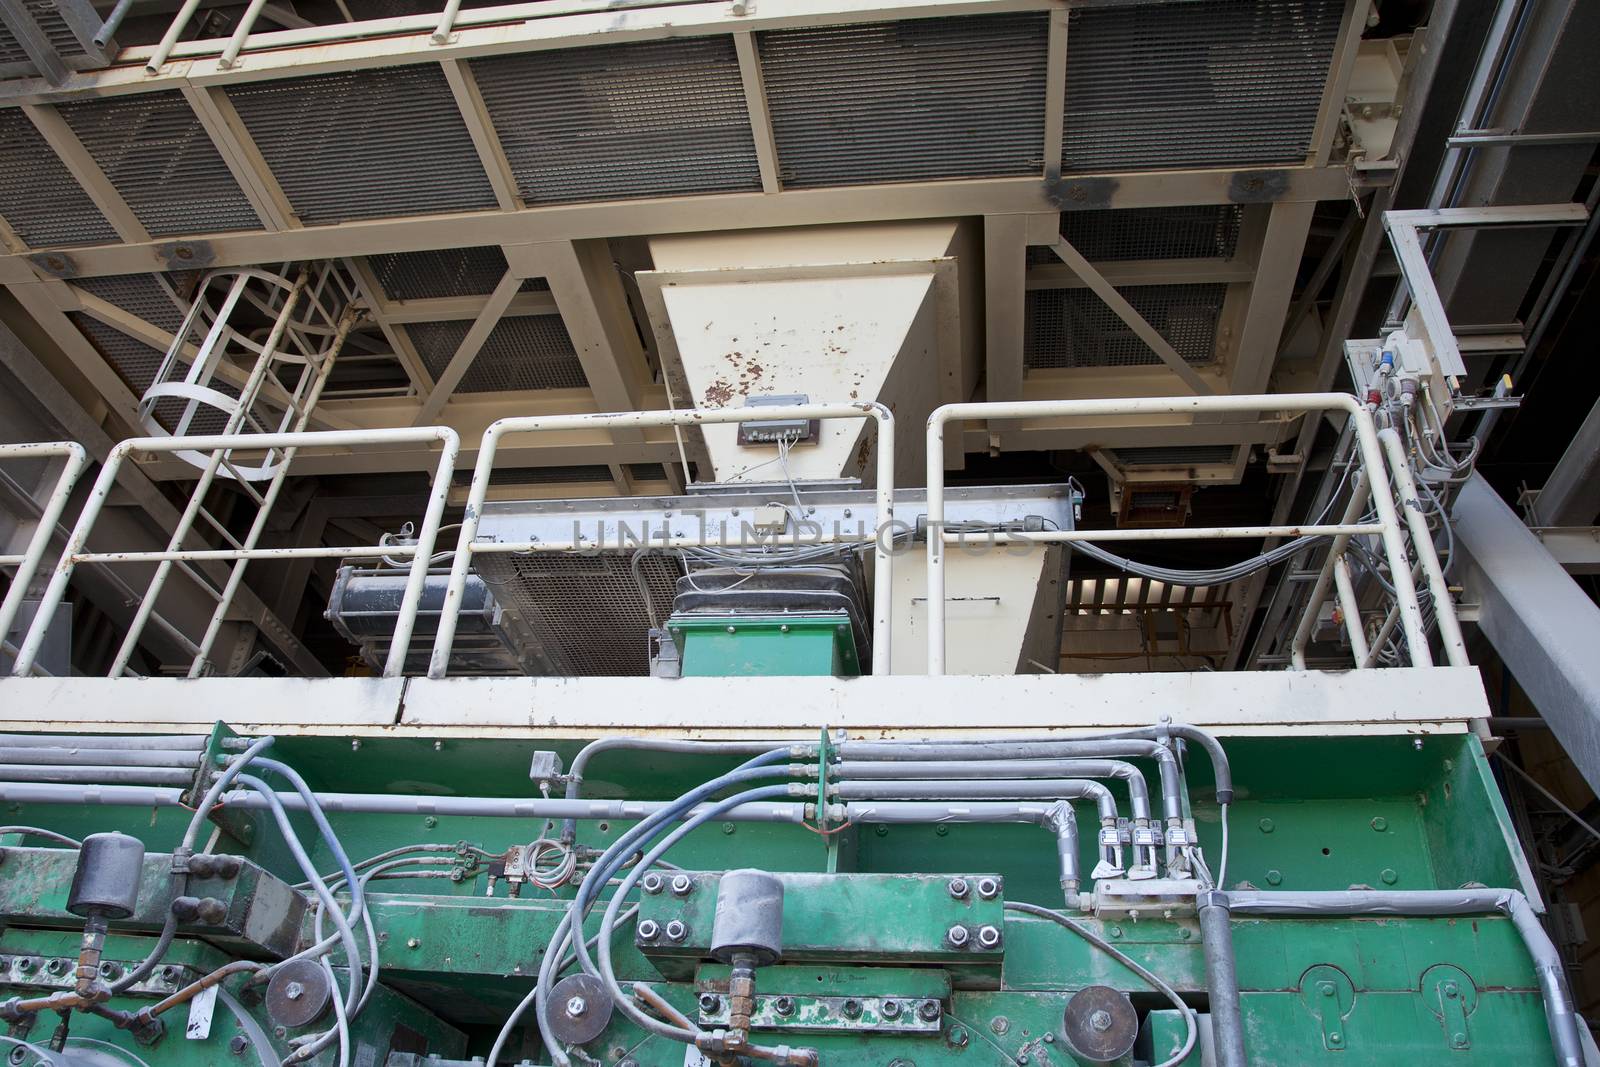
(718, 393)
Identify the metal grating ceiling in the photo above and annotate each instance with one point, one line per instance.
(137, 363)
(1174, 455)
(657, 118)
(142, 295)
(1075, 328)
(1196, 83)
(159, 157)
(521, 352)
(365, 144)
(38, 196)
(914, 100)
(440, 273)
(586, 612)
(1208, 231)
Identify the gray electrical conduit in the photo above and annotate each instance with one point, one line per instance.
(1559, 1013)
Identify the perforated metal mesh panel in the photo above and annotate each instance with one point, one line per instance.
(439, 273)
(365, 144)
(1174, 455)
(521, 352)
(159, 157)
(1075, 328)
(1196, 232)
(586, 612)
(136, 363)
(658, 118)
(140, 294)
(38, 196)
(912, 100)
(1195, 83)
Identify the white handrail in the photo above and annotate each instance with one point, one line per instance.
(450, 447)
(28, 562)
(1372, 460)
(467, 545)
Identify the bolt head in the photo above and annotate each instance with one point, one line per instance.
(648, 930)
(709, 1003)
(1000, 1024)
(413, 942)
(891, 1009)
(988, 936)
(958, 888)
(957, 935)
(1380, 824)
(988, 888)
(852, 1008)
(1100, 1020)
(294, 991)
(576, 1006)
(958, 1037)
(676, 931)
(1335, 1039)
(652, 883)
(681, 885)
(783, 1005)
(928, 1010)
(238, 1044)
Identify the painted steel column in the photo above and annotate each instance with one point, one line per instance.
(1542, 624)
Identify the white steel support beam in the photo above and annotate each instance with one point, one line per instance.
(755, 102)
(1005, 258)
(468, 350)
(245, 161)
(1571, 495)
(1129, 314)
(64, 143)
(1542, 624)
(46, 309)
(1333, 92)
(1272, 289)
(1122, 273)
(1055, 91)
(481, 129)
(372, 293)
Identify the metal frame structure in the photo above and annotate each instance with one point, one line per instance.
(26, 564)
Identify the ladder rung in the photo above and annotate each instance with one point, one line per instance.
(216, 525)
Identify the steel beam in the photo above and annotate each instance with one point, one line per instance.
(1571, 495)
(459, 363)
(1541, 623)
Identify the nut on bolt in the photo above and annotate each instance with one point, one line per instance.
(783, 1005)
(957, 936)
(648, 930)
(988, 936)
(852, 1008)
(710, 1003)
(652, 883)
(681, 885)
(928, 1010)
(959, 888)
(676, 931)
(890, 1009)
(988, 888)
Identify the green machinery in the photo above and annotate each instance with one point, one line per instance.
(814, 907)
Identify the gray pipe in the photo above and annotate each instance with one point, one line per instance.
(1138, 790)
(1057, 789)
(171, 759)
(1559, 1013)
(580, 762)
(88, 775)
(191, 743)
(386, 804)
(108, 28)
(1222, 979)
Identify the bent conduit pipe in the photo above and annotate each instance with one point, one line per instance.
(1559, 1012)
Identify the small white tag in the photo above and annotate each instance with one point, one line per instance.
(693, 1057)
(201, 1008)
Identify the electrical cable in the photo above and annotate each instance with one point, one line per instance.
(1191, 1025)
(36, 831)
(1222, 860)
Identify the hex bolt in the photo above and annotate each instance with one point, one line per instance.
(576, 1006)
(648, 929)
(280, 1032)
(890, 1009)
(1100, 1020)
(1451, 991)
(294, 991)
(783, 1005)
(413, 942)
(957, 936)
(676, 931)
(56, 966)
(169, 973)
(958, 1037)
(988, 888)
(852, 1008)
(237, 1044)
(1000, 1024)
(110, 971)
(652, 883)
(710, 1003)
(681, 885)
(1380, 824)
(928, 1010)
(988, 936)
(958, 888)
(26, 964)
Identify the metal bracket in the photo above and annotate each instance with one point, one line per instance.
(1451, 995)
(1330, 995)
(810, 1015)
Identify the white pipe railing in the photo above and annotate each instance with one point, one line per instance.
(75, 553)
(27, 563)
(467, 545)
(1372, 460)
